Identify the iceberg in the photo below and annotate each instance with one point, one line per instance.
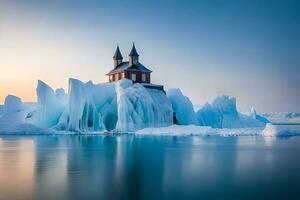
(88, 107)
(50, 106)
(121, 106)
(15, 118)
(182, 107)
(140, 107)
(277, 130)
(14, 110)
(222, 113)
(258, 117)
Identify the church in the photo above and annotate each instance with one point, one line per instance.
(131, 69)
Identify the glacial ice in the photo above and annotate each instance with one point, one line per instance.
(49, 105)
(258, 117)
(89, 107)
(182, 107)
(140, 107)
(14, 118)
(277, 130)
(120, 106)
(222, 113)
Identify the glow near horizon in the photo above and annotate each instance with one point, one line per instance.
(202, 48)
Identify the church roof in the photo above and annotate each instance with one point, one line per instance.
(125, 66)
(118, 54)
(133, 51)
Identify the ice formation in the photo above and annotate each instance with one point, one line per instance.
(89, 107)
(276, 130)
(121, 106)
(182, 107)
(13, 104)
(49, 105)
(14, 118)
(140, 107)
(176, 130)
(222, 113)
(258, 117)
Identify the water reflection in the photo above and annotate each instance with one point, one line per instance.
(17, 161)
(136, 167)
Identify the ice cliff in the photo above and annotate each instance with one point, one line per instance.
(182, 107)
(123, 106)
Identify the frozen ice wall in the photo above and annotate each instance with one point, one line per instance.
(140, 107)
(182, 107)
(91, 107)
(49, 106)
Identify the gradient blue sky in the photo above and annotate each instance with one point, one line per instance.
(249, 49)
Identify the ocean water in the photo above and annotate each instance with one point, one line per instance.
(148, 167)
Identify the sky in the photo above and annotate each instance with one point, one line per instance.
(246, 49)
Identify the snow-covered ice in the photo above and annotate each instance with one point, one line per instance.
(277, 130)
(192, 130)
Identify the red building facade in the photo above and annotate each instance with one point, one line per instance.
(131, 69)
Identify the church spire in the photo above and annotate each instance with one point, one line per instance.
(133, 56)
(117, 58)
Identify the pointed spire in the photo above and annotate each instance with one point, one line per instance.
(133, 52)
(118, 55)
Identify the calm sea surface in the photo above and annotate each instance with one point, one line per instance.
(145, 167)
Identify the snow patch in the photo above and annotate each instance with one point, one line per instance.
(192, 130)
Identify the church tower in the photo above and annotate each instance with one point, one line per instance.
(117, 57)
(133, 56)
